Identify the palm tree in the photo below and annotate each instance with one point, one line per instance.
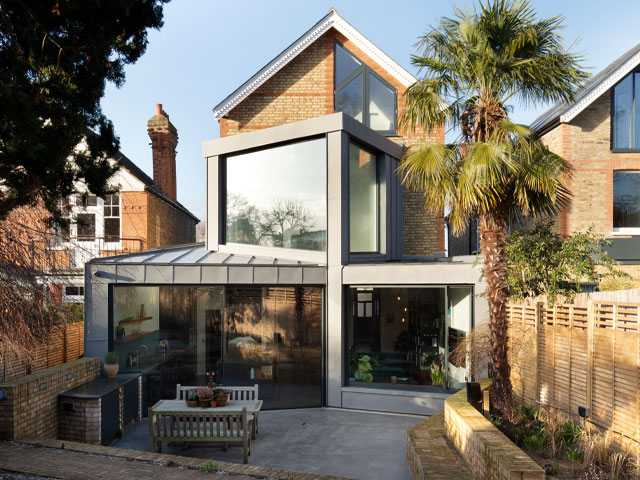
(475, 66)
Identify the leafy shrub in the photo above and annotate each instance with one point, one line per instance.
(533, 442)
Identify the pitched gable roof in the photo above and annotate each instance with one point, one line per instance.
(330, 20)
(590, 91)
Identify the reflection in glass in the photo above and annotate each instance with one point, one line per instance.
(382, 105)
(405, 333)
(345, 64)
(247, 335)
(365, 199)
(349, 98)
(276, 197)
(626, 199)
(623, 106)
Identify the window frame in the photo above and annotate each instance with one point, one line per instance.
(366, 91)
(105, 217)
(621, 230)
(612, 139)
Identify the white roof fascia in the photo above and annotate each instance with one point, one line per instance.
(332, 20)
(605, 85)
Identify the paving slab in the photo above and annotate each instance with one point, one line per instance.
(340, 442)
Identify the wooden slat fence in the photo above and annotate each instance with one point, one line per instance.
(66, 343)
(565, 356)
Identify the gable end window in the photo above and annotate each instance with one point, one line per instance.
(363, 94)
(625, 114)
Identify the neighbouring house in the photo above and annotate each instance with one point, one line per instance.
(599, 134)
(144, 214)
(316, 257)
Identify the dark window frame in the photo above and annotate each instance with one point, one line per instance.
(366, 92)
(635, 141)
(618, 229)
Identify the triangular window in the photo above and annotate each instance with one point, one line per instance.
(363, 94)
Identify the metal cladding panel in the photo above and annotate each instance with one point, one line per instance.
(129, 274)
(186, 274)
(265, 275)
(241, 274)
(290, 275)
(214, 274)
(314, 275)
(624, 249)
(158, 274)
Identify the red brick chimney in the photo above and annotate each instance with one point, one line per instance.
(164, 139)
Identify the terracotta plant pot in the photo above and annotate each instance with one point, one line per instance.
(205, 402)
(214, 404)
(221, 400)
(111, 370)
(192, 403)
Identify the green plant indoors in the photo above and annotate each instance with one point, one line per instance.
(111, 358)
(363, 367)
(543, 262)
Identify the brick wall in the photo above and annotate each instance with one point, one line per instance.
(486, 450)
(585, 142)
(83, 423)
(158, 224)
(30, 408)
(303, 89)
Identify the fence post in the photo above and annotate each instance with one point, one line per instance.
(539, 316)
(590, 323)
(64, 344)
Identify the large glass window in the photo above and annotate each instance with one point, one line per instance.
(362, 94)
(626, 114)
(626, 200)
(406, 334)
(276, 197)
(247, 335)
(367, 198)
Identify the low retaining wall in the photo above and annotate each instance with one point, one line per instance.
(485, 449)
(30, 404)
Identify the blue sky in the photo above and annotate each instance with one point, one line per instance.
(208, 48)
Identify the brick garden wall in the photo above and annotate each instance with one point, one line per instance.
(488, 453)
(30, 406)
(304, 89)
(83, 423)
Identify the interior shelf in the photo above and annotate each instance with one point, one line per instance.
(134, 320)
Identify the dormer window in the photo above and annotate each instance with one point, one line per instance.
(626, 114)
(363, 94)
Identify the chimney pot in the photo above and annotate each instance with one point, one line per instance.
(164, 139)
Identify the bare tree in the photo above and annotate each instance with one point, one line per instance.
(28, 264)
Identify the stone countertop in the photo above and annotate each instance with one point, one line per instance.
(100, 386)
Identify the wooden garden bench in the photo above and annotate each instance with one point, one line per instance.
(171, 421)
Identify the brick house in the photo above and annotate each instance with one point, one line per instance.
(144, 214)
(599, 134)
(315, 254)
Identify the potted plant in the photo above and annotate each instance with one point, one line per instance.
(111, 365)
(437, 374)
(120, 333)
(192, 398)
(363, 367)
(204, 396)
(221, 396)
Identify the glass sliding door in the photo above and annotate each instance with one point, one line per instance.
(273, 338)
(246, 334)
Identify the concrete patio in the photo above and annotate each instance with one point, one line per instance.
(347, 443)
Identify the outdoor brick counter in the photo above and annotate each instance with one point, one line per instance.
(30, 406)
(487, 451)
